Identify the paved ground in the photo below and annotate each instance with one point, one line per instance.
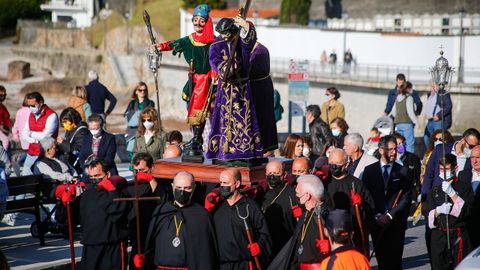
(24, 252)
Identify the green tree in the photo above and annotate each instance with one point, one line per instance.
(11, 11)
(295, 12)
(214, 4)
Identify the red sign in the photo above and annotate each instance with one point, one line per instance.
(296, 76)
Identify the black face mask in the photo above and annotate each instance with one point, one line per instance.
(2, 98)
(295, 177)
(274, 180)
(226, 191)
(336, 170)
(181, 196)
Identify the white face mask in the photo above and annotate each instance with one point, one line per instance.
(95, 132)
(327, 154)
(35, 110)
(306, 151)
(148, 124)
(449, 175)
(437, 143)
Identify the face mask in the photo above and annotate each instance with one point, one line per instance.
(35, 110)
(467, 152)
(295, 177)
(96, 180)
(148, 124)
(336, 132)
(274, 180)
(181, 196)
(306, 151)
(68, 126)
(336, 170)
(437, 143)
(401, 149)
(327, 154)
(226, 191)
(449, 175)
(2, 98)
(95, 132)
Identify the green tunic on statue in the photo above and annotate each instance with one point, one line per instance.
(192, 49)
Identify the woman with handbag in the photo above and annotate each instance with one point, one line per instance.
(139, 102)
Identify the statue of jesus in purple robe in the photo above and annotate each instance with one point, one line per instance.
(235, 132)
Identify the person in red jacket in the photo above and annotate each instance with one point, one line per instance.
(5, 122)
(42, 123)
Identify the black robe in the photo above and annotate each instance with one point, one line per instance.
(290, 257)
(459, 239)
(232, 237)
(339, 198)
(146, 210)
(277, 207)
(197, 248)
(104, 229)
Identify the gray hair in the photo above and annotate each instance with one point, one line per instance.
(355, 138)
(46, 143)
(92, 75)
(339, 151)
(312, 185)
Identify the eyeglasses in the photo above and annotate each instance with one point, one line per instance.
(142, 90)
(144, 120)
(438, 139)
(389, 149)
(470, 146)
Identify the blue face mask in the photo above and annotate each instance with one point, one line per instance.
(437, 143)
(467, 152)
(336, 132)
(35, 110)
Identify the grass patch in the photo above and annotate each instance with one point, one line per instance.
(164, 16)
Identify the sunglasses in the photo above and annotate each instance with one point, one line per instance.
(141, 90)
(438, 139)
(144, 120)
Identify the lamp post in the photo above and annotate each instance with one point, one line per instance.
(104, 13)
(127, 18)
(462, 13)
(442, 76)
(344, 18)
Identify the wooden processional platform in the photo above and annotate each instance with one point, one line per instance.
(208, 172)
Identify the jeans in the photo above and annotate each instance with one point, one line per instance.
(27, 165)
(406, 129)
(429, 129)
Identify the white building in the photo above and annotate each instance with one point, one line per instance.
(77, 13)
(425, 24)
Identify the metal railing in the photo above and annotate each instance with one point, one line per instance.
(367, 72)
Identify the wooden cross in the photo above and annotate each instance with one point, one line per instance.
(136, 200)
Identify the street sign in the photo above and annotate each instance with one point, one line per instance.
(298, 86)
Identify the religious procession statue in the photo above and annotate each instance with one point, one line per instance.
(235, 132)
(198, 91)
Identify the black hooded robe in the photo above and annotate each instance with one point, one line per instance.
(197, 248)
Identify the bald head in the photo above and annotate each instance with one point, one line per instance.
(475, 158)
(183, 180)
(172, 151)
(300, 166)
(230, 176)
(338, 157)
(274, 167)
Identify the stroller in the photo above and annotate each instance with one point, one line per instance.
(385, 127)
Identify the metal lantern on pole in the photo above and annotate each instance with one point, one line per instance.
(442, 76)
(154, 59)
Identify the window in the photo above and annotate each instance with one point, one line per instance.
(445, 21)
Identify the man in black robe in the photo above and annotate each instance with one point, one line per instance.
(277, 204)
(458, 208)
(181, 234)
(235, 250)
(347, 192)
(103, 221)
(306, 248)
(147, 187)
